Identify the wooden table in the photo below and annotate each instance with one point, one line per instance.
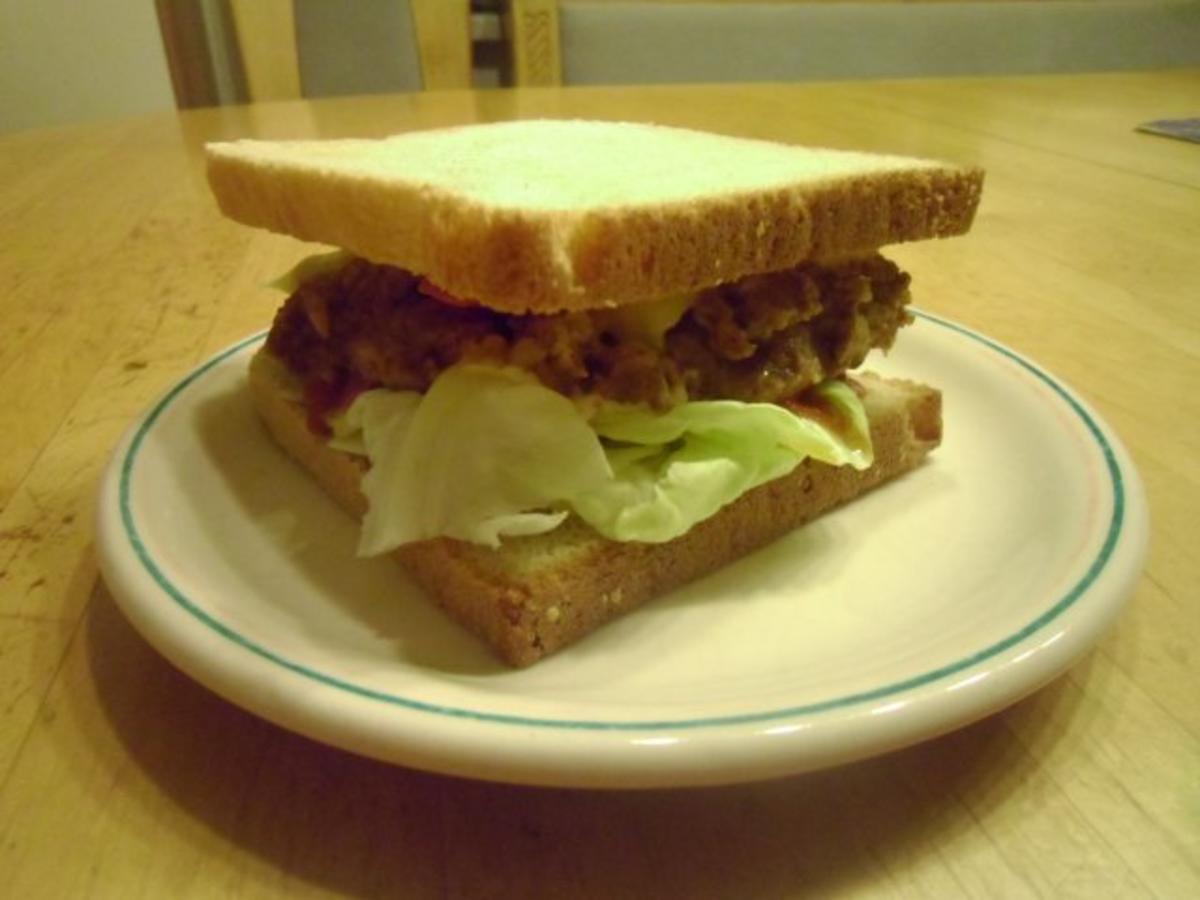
(119, 777)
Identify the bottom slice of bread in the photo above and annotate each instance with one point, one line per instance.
(535, 595)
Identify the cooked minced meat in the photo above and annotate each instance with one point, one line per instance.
(766, 337)
(762, 338)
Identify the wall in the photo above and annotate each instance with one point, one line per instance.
(669, 41)
(74, 60)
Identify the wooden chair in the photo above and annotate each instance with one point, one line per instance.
(662, 41)
(437, 34)
(239, 50)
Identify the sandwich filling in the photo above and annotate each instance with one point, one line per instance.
(762, 339)
(642, 419)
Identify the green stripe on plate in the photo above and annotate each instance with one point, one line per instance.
(1095, 568)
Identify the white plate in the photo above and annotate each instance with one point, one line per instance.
(934, 601)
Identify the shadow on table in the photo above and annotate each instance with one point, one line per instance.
(362, 828)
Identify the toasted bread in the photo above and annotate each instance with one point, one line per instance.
(535, 595)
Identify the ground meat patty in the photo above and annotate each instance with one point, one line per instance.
(762, 338)
(767, 337)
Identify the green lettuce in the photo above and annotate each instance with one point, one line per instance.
(674, 469)
(486, 452)
(310, 267)
(490, 452)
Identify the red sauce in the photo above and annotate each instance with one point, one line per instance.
(324, 398)
(429, 289)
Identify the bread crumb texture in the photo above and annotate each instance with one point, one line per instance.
(541, 216)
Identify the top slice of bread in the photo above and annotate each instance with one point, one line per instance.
(542, 216)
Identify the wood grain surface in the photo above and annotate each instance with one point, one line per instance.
(119, 777)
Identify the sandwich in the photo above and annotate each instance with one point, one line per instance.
(560, 368)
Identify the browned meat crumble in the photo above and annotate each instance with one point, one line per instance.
(763, 338)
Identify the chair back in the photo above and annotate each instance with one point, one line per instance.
(315, 48)
(222, 51)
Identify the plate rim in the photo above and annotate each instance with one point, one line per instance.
(1120, 481)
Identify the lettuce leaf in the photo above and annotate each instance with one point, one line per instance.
(485, 452)
(309, 267)
(490, 452)
(674, 469)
